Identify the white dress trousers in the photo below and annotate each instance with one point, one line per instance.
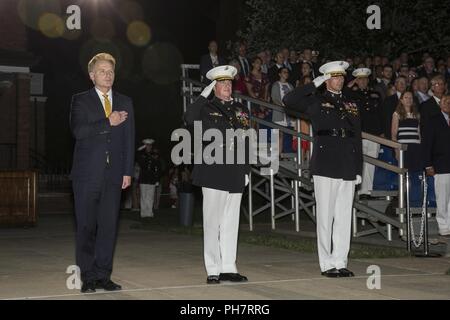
(371, 149)
(334, 202)
(442, 190)
(147, 199)
(220, 230)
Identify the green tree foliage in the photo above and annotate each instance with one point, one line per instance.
(338, 27)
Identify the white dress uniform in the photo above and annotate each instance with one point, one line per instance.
(371, 118)
(149, 174)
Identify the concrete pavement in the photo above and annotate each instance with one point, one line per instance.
(152, 264)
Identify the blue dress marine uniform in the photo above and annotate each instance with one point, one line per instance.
(222, 183)
(336, 163)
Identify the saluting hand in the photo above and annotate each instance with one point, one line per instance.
(207, 91)
(321, 79)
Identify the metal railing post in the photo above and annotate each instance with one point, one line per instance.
(250, 200)
(408, 216)
(191, 92)
(299, 150)
(272, 199)
(183, 89)
(297, 209)
(250, 177)
(293, 199)
(355, 222)
(425, 231)
(401, 192)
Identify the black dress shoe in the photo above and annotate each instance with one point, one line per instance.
(233, 277)
(107, 285)
(88, 287)
(331, 273)
(213, 280)
(346, 273)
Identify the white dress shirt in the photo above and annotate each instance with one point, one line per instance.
(102, 99)
(214, 60)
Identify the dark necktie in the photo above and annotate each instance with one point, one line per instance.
(245, 63)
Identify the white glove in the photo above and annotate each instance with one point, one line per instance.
(358, 179)
(207, 91)
(321, 79)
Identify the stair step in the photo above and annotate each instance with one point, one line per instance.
(55, 202)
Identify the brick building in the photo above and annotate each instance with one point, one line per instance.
(22, 127)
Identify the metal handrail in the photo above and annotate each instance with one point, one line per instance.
(384, 141)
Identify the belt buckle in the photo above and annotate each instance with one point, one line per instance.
(343, 133)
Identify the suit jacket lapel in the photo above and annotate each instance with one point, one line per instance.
(97, 106)
(444, 121)
(115, 102)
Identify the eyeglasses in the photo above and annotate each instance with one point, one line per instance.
(104, 73)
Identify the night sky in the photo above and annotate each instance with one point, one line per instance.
(180, 31)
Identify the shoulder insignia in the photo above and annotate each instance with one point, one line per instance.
(327, 105)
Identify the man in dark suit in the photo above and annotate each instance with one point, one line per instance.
(390, 105)
(428, 68)
(447, 73)
(336, 162)
(436, 143)
(311, 56)
(273, 71)
(431, 107)
(102, 123)
(243, 61)
(210, 61)
(386, 79)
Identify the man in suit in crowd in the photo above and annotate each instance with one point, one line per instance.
(423, 85)
(428, 68)
(243, 61)
(436, 137)
(310, 56)
(102, 123)
(382, 86)
(447, 73)
(336, 162)
(210, 61)
(431, 107)
(390, 105)
(273, 71)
